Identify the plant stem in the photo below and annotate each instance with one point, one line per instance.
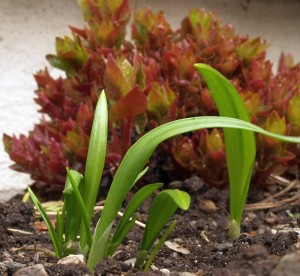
(234, 229)
(158, 245)
(140, 259)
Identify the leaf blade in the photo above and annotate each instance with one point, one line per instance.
(162, 209)
(144, 193)
(52, 232)
(240, 144)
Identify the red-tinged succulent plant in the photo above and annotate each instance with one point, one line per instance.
(149, 81)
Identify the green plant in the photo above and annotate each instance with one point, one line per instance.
(82, 195)
(154, 75)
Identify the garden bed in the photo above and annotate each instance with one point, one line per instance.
(270, 231)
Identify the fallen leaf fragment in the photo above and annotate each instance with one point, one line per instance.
(176, 247)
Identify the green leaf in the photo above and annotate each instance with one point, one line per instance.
(159, 245)
(77, 177)
(71, 208)
(99, 247)
(133, 205)
(59, 229)
(251, 48)
(64, 65)
(162, 209)
(83, 212)
(52, 233)
(240, 144)
(96, 157)
(118, 239)
(140, 175)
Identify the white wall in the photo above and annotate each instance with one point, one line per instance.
(28, 29)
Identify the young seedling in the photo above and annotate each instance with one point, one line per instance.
(240, 144)
(81, 191)
(80, 195)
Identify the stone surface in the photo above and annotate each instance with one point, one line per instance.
(72, 259)
(36, 270)
(288, 265)
(28, 29)
(11, 266)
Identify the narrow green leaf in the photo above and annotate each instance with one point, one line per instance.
(59, 230)
(77, 177)
(117, 240)
(71, 208)
(240, 144)
(96, 154)
(48, 223)
(162, 209)
(141, 256)
(159, 245)
(138, 199)
(81, 205)
(140, 175)
(95, 159)
(99, 248)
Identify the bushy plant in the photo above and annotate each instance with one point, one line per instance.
(150, 81)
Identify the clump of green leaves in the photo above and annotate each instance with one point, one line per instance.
(81, 190)
(150, 81)
(80, 194)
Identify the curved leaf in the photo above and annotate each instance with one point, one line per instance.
(162, 209)
(96, 154)
(138, 199)
(240, 144)
(95, 159)
(52, 232)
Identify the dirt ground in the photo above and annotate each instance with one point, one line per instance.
(198, 245)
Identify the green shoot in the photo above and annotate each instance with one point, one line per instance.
(159, 245)
(162, 209)
(133, 205)
(240, 144)
(95, 159)
(52, 232)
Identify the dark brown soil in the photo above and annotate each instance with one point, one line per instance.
(201, 232)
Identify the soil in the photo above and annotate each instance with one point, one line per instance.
(270, 231)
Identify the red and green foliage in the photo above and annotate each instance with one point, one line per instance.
(150, 80)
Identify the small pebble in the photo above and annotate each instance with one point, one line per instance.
(167, 263)
(3, 269)
(288, 265)
(224, 246)
(178, 240)
(125, 267)
(176, 184)
(165, 271)
(72, 259)
(13, 266)
(274, 231)
(256, 251)
(36, 270)
(194, 183)
(207, 206)
(174, 255)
